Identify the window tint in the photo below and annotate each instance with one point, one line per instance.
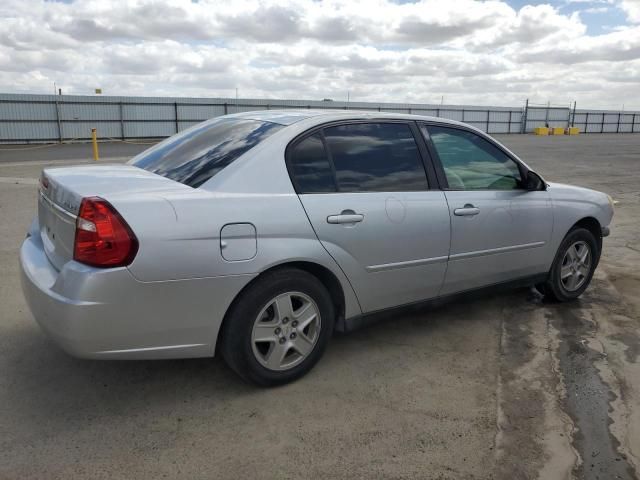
(310, 166)
(195, 155)
(375, 157)
(472, 163)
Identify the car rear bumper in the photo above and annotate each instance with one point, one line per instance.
(107, 313)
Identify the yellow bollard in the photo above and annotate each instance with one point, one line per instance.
(94, 141)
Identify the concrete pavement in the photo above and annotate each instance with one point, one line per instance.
(506, 386)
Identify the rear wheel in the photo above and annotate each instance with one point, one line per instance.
(277, 330)
(573, 266)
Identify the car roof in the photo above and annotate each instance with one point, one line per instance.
(291, 116)
(302, 119)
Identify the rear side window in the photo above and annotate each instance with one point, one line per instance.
(195, 155)
(375, 157)
(310, 167)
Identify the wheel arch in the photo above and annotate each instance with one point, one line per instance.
(322, 273)
(594, 226)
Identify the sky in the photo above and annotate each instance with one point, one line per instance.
(494, 52)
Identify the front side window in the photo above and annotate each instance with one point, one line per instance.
(375, 157)
(195, 155)
(472, 163)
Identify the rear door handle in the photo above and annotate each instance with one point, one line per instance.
(347, 216)
(467, 211)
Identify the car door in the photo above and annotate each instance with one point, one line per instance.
(364, 188)
(499, 230)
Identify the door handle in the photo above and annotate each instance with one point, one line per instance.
(347, 216)
(467, 211)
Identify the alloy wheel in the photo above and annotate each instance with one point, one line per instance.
(576, 265)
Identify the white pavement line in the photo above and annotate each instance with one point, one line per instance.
(19, 180)
(79, 161)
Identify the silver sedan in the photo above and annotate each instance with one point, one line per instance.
(259, 234)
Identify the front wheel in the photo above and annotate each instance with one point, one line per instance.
(277, 330)
(573, 266)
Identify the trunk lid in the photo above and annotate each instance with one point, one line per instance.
(62, 190)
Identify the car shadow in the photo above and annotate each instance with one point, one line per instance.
(42, 383)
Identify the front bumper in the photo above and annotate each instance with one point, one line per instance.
(107, 313)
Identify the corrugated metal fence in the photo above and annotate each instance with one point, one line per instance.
(588, 121)
(53, 118)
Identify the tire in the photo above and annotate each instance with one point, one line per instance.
(569, 277)
(265, 338)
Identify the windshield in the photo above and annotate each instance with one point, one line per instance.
(194, 156)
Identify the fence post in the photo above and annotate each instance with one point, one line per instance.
(488, 115)
(121, 120)
(546, 114)
(462, 115)
(226, 109)
(175, 114)
(524, 120)
(602, 124)
(618, 126)
(633, 124)
(58, 120)
(573, 117)
(586, 122)
(438, 113)
(510, 118)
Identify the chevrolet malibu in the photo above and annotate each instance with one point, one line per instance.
(259, 234)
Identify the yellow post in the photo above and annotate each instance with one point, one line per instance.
(94, 141)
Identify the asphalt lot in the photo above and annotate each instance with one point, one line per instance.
(505, 386)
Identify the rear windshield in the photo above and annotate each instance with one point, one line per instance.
(194, 156)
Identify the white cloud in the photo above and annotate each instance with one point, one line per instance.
(469, 51)
(632, 9)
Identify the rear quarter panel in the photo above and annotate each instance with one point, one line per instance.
(182, 238)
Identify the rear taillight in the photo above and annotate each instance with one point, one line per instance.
(103, 238)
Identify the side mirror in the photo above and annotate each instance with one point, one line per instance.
(534, 182)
